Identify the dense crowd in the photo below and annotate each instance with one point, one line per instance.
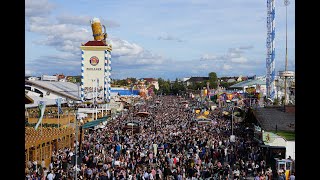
(171, 144)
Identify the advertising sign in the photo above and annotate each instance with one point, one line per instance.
(93, 76)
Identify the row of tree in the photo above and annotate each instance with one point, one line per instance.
(124, 82)
(177, 86)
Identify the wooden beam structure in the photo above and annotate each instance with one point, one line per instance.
(40, 143)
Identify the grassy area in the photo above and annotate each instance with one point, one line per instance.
(288, 135)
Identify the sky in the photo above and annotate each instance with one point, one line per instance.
(166, 39)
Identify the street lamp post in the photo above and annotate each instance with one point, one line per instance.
(79, 116)
(286, 3)
(76, 149)
(75, 104)
(132, 106)
(232, 137)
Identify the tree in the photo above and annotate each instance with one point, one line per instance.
(120, 82)
(133, 80)
(276, 101)
(164, 86)
(227, 84)
(177, 87)
(192, 86)
(213, 80)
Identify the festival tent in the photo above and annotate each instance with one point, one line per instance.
(94, 122)
(184, 102)
(202, 119)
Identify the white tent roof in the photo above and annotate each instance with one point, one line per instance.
(36, 99)
(66, 89)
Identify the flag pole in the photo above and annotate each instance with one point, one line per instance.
(41, 128)
(58, 103)
(58, 117)
(42, 106)
(69, 117)
(96, 104)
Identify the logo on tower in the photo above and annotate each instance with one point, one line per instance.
(94, 60)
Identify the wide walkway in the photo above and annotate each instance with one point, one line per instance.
(171, 144)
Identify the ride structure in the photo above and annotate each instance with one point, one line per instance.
(286, 74)
(270, 60)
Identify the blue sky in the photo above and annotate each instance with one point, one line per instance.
(161, 38)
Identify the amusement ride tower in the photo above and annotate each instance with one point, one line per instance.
(270, 60)
(286, 74)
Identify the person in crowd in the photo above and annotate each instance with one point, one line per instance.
(171, 143)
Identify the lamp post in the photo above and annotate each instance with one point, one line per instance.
(286, 3)
(79, 117)
(132, 106)
(232, 137)
(75, 104)
(76, 149)
(276, 81)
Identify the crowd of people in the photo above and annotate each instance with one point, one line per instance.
(171, 144)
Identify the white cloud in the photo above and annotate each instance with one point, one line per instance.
(37, 7)
(168, 37)
(246, 47)
(39, 21)
(61, 31)
(63, 37)
(85, 21)
(66, 63)
(226, 67)
(29, 72)
(124, 48)
(233, 55)
(204, 66)
(208, 57)
(239, 60)
(67, 38)
(234, 51)
(66, 32)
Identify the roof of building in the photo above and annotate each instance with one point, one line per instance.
(271, 119)
(231, 80)
(124, 92)
(94, 122)
(149, 79)
(249, 82)
(33, 137)
(94, 43)
(66, 89)
(36, 100)
(28, 100)
(198, 79)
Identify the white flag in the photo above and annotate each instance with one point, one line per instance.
(42, 107)
(58, 103)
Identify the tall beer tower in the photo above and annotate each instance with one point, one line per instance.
(96, 66)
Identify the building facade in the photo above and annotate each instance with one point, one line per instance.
(95, 71)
